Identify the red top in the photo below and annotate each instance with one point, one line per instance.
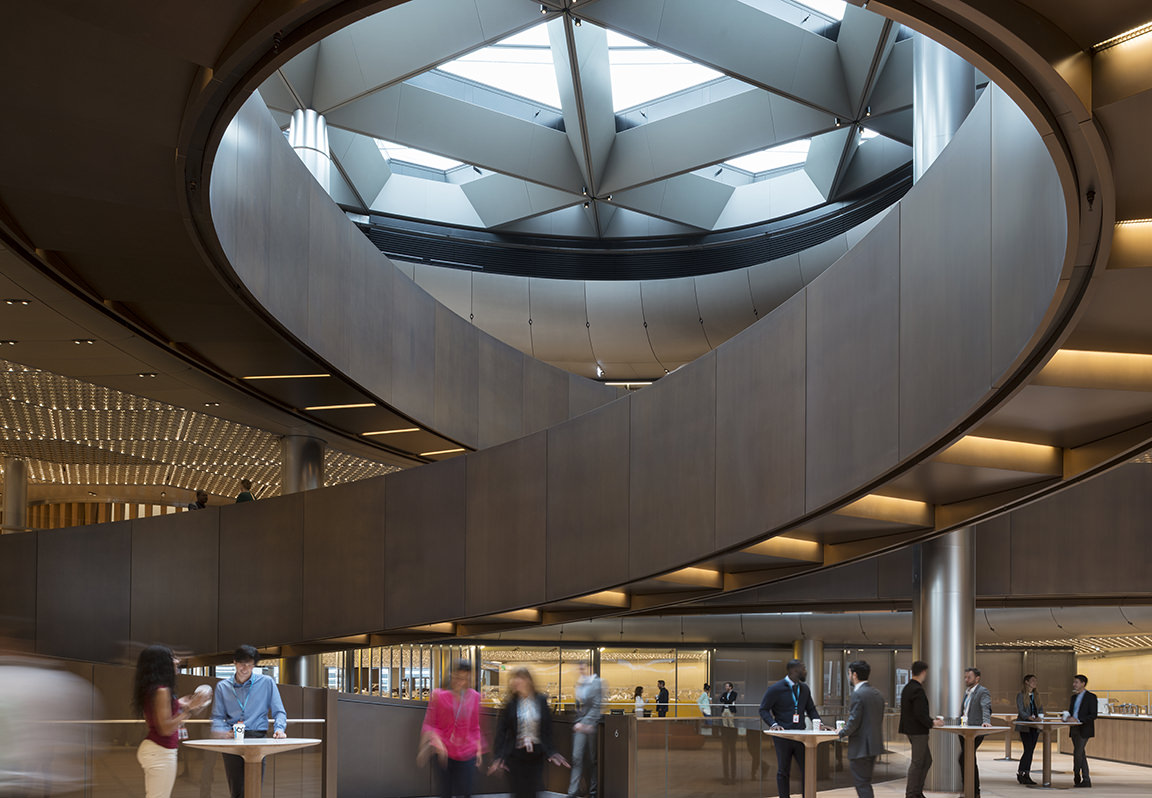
(456, 723)
(164, 741)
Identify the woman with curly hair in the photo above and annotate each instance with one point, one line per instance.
(154, 697)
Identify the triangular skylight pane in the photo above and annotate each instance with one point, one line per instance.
(641, 73)
(795, 11)
(791, 154)
(520, 65)
(398, 152)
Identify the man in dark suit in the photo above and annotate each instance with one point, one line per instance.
(864, 729)
(1083, 707)
(661, 699)
(784, 706)
(916, 721)
(977, 708)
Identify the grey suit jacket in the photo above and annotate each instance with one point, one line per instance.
(1022, 712)
(864, 728)
(980, 707)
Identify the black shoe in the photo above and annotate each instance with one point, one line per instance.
(1020, 778)
(1026, 779)
(1085, 783)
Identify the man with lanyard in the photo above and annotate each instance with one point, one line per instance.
(246, 698)
(784, 706)
(976, 711)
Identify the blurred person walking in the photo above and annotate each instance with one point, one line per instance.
(451, 731)
(247, 698)
(916, 721)
(154, 697)
(524, 737)
(589, 696)
(1027, 708)
(864, 729)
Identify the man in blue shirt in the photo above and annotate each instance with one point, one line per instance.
(251, 698)
(1084, 708)
(785, 706)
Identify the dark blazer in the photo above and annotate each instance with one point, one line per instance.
(1089, 709)
(915, 717)
(506, 722)
(779, 703)
(864, 728)
(1023, 711)
(662, 700)
(728, 700)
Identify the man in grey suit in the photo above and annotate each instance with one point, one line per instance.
(589, 696)
(977, 709)
(864, 729)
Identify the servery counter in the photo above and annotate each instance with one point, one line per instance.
(1119, 738)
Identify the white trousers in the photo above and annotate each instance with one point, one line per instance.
(159, 765)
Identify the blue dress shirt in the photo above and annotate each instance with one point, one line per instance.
(1076, 706)
(253, 701)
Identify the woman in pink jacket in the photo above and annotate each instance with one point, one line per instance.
(452, 732)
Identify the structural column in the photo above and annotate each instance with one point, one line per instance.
(943, 92)
(301, 469)
(947, 641)
(15, 495)
(812, 653)
(308, 136)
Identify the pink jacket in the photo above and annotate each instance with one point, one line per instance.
(456, 724)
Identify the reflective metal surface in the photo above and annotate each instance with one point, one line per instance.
(947, 640)
(943, 92)
(308, 136)
(812, 653)
(15, 494)
(303, 463)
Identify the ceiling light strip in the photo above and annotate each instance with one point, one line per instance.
(341, 407)
(442, 451)
(1127, 35)
(391, 431)
(286, 376)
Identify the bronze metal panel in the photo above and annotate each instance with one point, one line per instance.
(1029, 232)
(852, 414)
(370, 350)
(329, 286)
(1085, 527)
(249, 178)
(760, 426)
(499, 406)
(343, 559)
(894, 574)
(261, 571)
(377, 746)
(423, 583)
(588, 501)
(945, 284)
(18, 588)
(993, 544)
(167, 551)
(585, 395)
(413, 348)
(856, 581)
(457, 362)
(672, 472)
(507, 490)
(545, 396)
(83, 591)
(289, 227)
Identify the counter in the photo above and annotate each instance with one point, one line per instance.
(1119, 738)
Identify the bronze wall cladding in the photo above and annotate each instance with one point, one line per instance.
(500, 412)
(456, 375)
(18, 589)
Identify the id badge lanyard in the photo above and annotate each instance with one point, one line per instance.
(796, 705)
(247, 694)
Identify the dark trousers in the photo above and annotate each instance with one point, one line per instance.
(1079, 758)
(234, 768)
(975, 766)
(456, 778)
(786, 751)
(861, 770)
(728, 751)
(918, 766)
(525, 773)
(1028, 738)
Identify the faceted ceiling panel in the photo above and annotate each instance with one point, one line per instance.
(498, 113)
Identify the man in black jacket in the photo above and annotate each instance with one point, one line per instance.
(661, 699)
(916, 721)
(784, 706)
(1084, 708)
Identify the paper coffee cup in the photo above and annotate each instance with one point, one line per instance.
(839, 725)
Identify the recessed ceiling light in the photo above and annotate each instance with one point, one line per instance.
(79, 341)
(442, 451)
(391, 431)
(211, 404)
(286, 376)
(16, 301)
(10, 343)
(146, 374)
(340, 407)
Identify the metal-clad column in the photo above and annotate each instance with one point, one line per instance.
(15, 495)
(943, 92)
(308, 136)
(301, 469)
(947, 641)
(812, 653)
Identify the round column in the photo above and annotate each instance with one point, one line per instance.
(308, 136)
(301, 463)
(811, 652)
(15, 495)
(304, 671)
(943, 92)
(947, 641)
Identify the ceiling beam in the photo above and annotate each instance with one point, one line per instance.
(980, 452)
(789, 548)
(1111, 371)
(888, 509)
(863, 45)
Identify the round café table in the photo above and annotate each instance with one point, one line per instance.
(810, 738)
(1047, 727)
(970, 733)
(253, 750)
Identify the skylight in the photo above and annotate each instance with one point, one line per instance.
(791, 154)
(398, 152)
(520, 65)
(787, 9)
(641, 73)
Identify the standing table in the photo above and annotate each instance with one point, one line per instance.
(1011, 719)
(970, 733)
(253, 750)
(1047, 727)
(811, 738)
